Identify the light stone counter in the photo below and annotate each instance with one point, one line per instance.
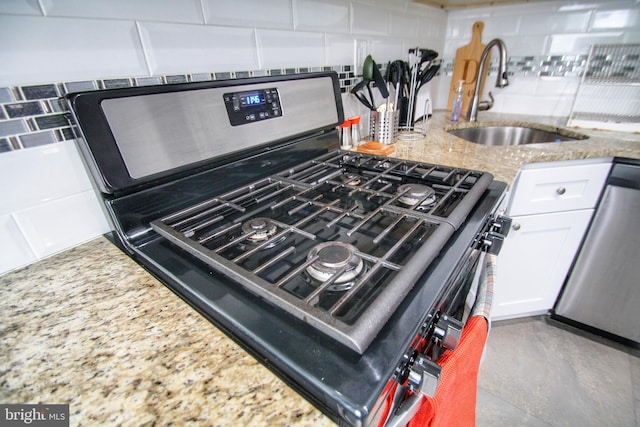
(90, 328)
(440, 147)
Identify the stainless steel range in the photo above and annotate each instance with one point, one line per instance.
(342, 272)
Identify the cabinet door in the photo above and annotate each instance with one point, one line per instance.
(534, 261)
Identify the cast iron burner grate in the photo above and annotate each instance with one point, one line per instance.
(337, 241)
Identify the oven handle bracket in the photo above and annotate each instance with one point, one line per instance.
(492, 238)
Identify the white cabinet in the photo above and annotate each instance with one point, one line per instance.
(545, 189)
(534, 261)
(551, 205)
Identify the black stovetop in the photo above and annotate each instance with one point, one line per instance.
(339, 381)
(146, 179)
(337, 241)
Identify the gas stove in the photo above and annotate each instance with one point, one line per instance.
(337, 241)
(329, 266)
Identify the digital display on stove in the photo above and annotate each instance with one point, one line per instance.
(253, 99)
(252, 106)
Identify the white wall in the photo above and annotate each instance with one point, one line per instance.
(47, 203)
(68, 40)
(548, 31)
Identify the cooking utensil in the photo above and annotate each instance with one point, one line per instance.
(371, 72)
(427, 55)
(379, 80)
(424, 64)
(395, 71)
(362, 98)
(367, 68)
(414, 65)
(428, 74)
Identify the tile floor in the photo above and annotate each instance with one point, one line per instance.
(539, 373)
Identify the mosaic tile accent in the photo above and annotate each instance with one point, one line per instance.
(116, 83)
(614, 63)
(5, 145)
(23, 109)
(33, 115)
(52, 121)
(6, 95)
(71, 87)
(13, 127)
(148, 81)
(176, 79)
(533, 66)
(608, 94)
(37, 139)
(39, 92)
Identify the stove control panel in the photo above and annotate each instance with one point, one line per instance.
(252, 106)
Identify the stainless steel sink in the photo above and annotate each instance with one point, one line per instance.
(513, 135)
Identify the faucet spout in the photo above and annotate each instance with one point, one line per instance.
(501, 81)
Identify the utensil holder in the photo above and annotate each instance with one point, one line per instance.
(383, 126)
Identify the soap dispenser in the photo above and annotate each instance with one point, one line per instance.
(456, 109)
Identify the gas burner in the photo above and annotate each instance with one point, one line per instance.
(350, 179)
(333, 258)
(417, 193)
(259, 230)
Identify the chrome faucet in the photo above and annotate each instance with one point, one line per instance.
(475, 105)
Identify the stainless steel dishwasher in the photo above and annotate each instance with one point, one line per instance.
(602, 292)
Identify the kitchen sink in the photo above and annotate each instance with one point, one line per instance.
(500, 135)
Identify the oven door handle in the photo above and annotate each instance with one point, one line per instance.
(408, 409)
(423, 381)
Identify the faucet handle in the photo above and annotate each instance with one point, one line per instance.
(486, 105)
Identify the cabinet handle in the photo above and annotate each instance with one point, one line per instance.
(516, 227)
(561, 190)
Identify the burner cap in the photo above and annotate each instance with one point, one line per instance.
(261, 229)
(416, 193)
(332, 258)
(350, 179)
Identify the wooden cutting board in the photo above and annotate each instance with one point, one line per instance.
(466, 66)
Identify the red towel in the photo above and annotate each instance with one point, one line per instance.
(454, 403)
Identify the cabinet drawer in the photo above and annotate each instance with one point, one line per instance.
(557, 189)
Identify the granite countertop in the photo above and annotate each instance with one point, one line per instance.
(440, 147)
(90, 328)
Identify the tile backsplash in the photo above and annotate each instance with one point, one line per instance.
(32, 116)
(53, 47)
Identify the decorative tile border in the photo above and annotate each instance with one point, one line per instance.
(34, 115)
(614, 63)
(534, 66)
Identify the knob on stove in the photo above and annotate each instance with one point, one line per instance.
(447, 331)
(424, 376)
